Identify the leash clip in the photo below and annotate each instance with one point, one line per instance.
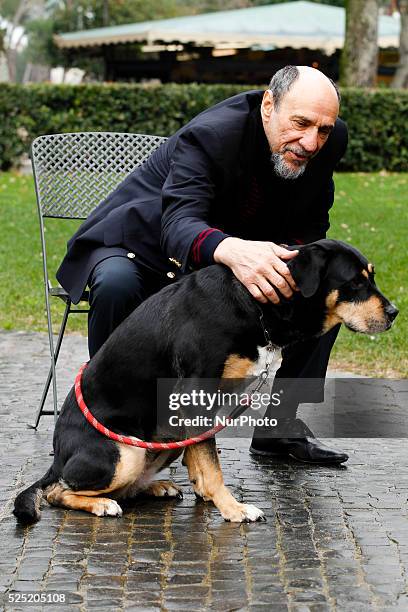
(263, 375)
(270, 354)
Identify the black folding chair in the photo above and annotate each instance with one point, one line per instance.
(73, 173)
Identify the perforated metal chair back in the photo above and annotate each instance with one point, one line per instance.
(73, 173)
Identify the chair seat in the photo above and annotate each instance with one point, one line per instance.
(63, 295)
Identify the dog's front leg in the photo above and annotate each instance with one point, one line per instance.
(205, 474)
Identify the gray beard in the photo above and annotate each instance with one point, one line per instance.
(283, 170)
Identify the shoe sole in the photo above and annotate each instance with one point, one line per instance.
(331, 462)
(269, 454)
(261, 453)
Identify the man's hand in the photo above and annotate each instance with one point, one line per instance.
(259, 267)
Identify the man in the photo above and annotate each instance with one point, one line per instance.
(241, 178)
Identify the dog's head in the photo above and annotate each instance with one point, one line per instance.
(342, 276)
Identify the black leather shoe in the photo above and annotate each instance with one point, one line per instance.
(306, 449)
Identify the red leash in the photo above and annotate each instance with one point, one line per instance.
(159, 446)
(131, 440)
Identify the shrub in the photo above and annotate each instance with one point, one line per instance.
(378, 136)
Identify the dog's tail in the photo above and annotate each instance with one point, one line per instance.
(27, 503)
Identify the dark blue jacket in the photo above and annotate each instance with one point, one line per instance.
(196, 180)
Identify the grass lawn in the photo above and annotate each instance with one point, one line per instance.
(370, 211)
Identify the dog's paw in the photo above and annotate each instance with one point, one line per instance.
(243, 513)
(252, 513)
(107, 507)
(164, 488)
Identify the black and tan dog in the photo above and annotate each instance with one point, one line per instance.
(204, 326)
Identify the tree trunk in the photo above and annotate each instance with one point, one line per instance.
(11, 57)
(400, 79)
(105, 13)
(360, 53)
(11, 52)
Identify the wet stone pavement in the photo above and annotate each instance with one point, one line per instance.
(335, 538)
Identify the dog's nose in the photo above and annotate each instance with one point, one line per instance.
(391, 311)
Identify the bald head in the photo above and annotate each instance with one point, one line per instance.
(302, 78)
(312, 79)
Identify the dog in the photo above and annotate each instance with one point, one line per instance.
(206, 325)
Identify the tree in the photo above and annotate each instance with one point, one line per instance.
(400, 79)
(41, 48)
(359, 60)
(16, 14)
(84, 14)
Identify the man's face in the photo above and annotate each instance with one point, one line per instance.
(299, 128)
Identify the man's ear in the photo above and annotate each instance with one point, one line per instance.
(308, 269)
(267, 105)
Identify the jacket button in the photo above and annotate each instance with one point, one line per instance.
(131, 255)
(171, 274)
(175, 262)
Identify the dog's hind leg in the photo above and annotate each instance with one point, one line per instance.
(86, 478)
(205, 473)
(88, 501)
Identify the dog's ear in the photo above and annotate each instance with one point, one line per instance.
(344, 260)
(308, 269)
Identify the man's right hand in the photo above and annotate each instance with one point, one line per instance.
(259, 267)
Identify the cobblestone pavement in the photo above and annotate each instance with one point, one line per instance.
(335, 538)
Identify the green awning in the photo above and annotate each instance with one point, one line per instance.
(290, 24)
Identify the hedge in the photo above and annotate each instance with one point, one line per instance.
(376, 119)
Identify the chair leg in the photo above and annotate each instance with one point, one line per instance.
(54, 359)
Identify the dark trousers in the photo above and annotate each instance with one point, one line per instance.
(118, 285)
(302, 373)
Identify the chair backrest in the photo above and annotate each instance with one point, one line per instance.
(74, 172)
